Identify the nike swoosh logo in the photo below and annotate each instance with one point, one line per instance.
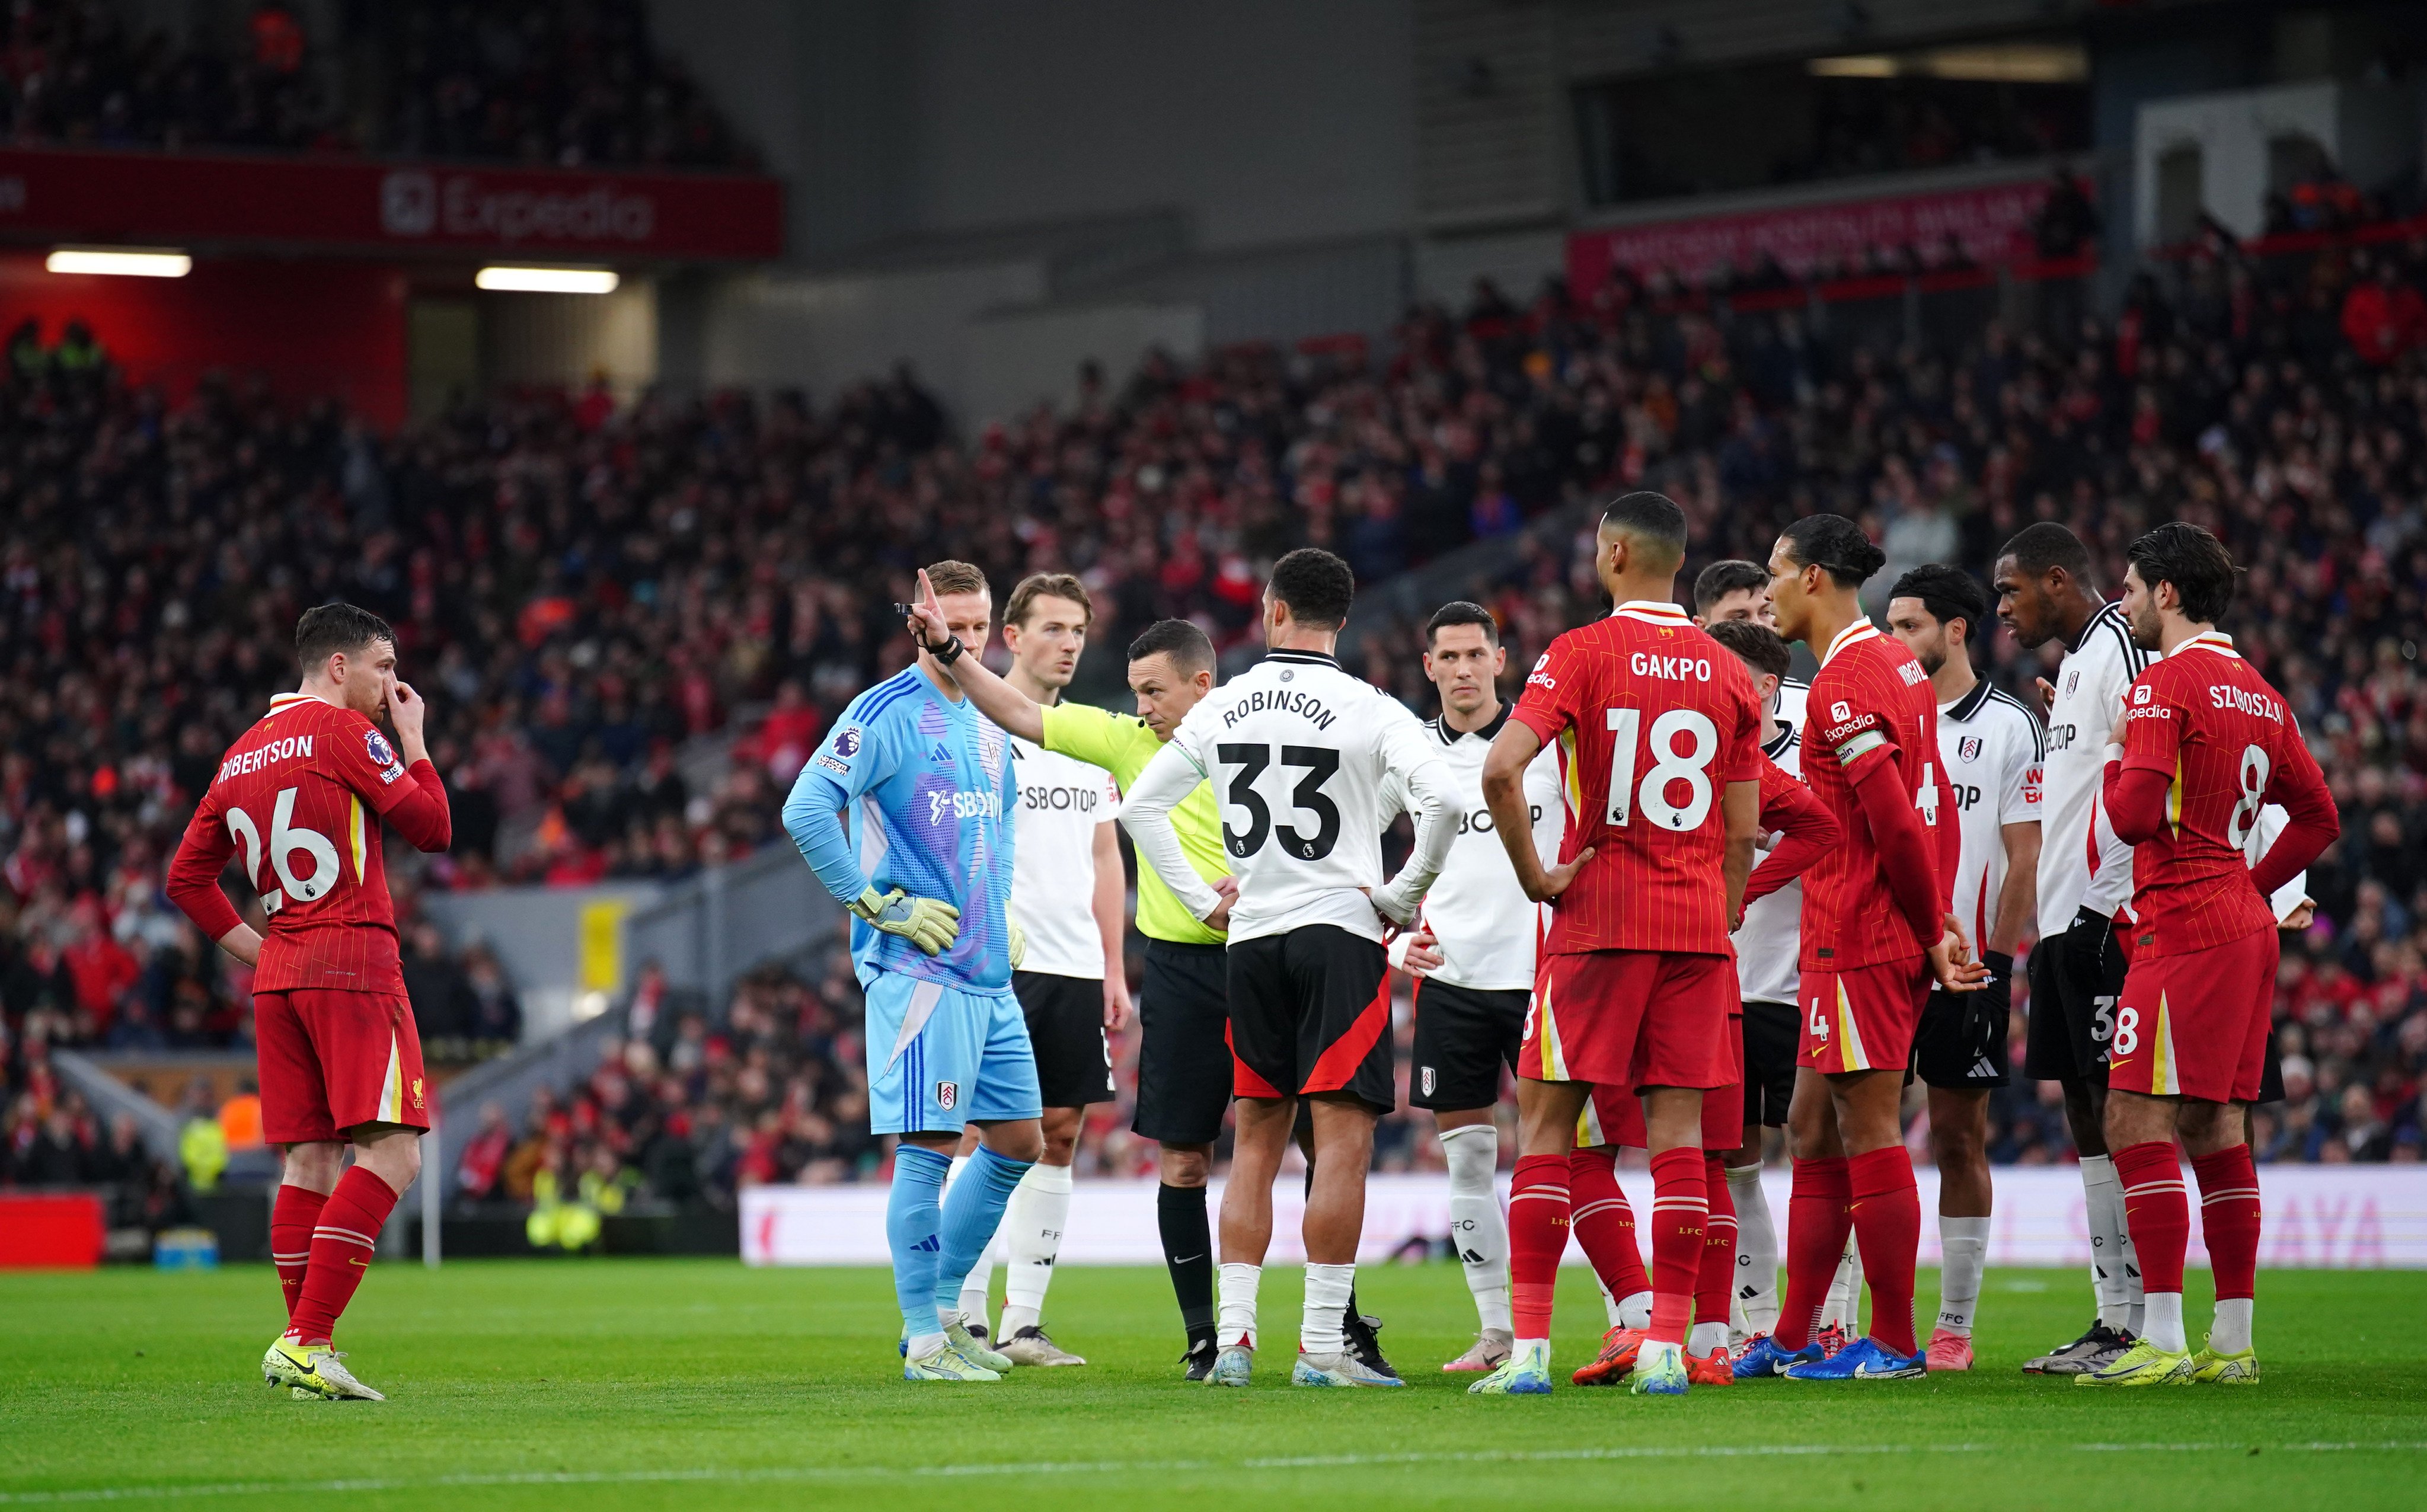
(1186, 1258)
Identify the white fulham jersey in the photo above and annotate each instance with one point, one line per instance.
(1054, 864)
(1297, 752)
(1488, 930)
(1770, 942)
(2082, 865)
(1793, 692)
(1992, 750)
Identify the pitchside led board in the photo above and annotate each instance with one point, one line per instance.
(2362, 1217)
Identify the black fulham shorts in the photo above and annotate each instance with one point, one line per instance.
(1961, 1043)
(1464, 1035)
(1311, 1012)
(1066, 1024)
(1183, 1043)
(2076, 979)
(1773, 1034)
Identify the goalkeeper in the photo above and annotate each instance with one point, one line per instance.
(924, 863)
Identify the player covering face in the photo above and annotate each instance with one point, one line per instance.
(305, 792)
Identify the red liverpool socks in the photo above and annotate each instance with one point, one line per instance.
(293, 1215)
(1887, 1224)
(1679, 1211)
(1816, 1226)
(1604, 1225)
(2158, 1215)
(2229, 1214)
(343, 1243)
(1715, 1281)
(2228, 1185)
(1538, 1236)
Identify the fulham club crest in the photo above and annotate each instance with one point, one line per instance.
(1968, 748)
(946, 1094)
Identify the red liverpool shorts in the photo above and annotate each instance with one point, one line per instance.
(2196, 1025)
(1631, 1019)
(1863, 1019)
(1614, 1115)
(332, 1060)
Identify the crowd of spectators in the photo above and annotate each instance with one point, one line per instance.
(569, 83)
(580, 589)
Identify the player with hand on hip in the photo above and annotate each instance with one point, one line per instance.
(1658, 733)
(1299, 753)
(925, 863)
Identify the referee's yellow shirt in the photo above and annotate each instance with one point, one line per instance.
(1122, 745)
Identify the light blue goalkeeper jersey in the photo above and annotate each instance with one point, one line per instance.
(927, 784)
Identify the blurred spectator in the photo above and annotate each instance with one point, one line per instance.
(2384, 317)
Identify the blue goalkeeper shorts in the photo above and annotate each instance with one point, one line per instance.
(940, 1057)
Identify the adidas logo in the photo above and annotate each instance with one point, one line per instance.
(939, 754)
(1984, 1070)
(929, 1244)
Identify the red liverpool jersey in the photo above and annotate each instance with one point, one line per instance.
(300, 798)
(1652, 719)
(1871, 697)
(2222, 737)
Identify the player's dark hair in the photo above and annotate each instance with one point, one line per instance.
(1184, 641)
(1756, 646)
(1836, 544)
(1948, 594)
(1720, 578)
(327, 630)
(2039, 548)
(1038, 585)
(1317, 587)
(2195, 562)
(1652, 516)
(1459, 611)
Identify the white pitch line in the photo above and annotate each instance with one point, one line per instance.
(714, 1475)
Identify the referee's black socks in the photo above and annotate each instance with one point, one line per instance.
(1188, 1254)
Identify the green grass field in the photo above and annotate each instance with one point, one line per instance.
(698, 1383)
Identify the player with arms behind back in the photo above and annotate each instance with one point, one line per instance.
(1660, 737)
(1875, 933)
(2206, 745)
(305, 793)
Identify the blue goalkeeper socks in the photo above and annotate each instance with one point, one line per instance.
(973, 1212)
(912, 1220)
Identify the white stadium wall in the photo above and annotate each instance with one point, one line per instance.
(2336, 1216)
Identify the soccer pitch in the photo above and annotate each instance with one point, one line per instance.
(698, 1383)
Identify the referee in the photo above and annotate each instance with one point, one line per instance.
(1184, 1007)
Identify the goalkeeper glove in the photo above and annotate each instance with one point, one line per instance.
(926, 923)
(1019, 944)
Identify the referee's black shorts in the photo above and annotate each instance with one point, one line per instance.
(1183, 1043)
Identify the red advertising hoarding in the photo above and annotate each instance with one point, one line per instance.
(1992, 222)
(294, 203)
